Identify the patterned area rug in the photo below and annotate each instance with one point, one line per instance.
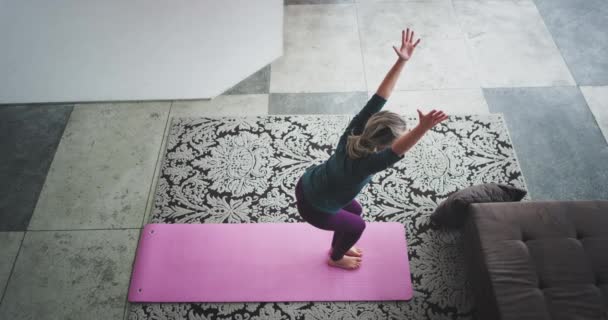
(244, 170)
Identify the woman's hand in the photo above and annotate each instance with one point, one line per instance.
(429, 120)
(407, 45)
(407, 49)
(408, 140)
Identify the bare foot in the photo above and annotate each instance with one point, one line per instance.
(354, 252)
(347, 262)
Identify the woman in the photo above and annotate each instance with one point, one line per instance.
(373, 141)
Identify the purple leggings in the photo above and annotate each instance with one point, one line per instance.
(347, 223)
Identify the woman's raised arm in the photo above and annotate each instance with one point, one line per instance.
(405, 54)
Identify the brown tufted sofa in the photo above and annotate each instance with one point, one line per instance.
(538, 260)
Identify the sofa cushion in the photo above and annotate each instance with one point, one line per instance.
(452, 212)
(539, 260)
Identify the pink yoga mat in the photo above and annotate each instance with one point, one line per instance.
(265, 262)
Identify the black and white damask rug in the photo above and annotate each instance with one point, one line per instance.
(244, 170)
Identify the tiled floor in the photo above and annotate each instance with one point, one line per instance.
(579, 29)
(28, 140)
(78, 181)
(561, 150)
(597, 100)
(510, 45)
(102, 171)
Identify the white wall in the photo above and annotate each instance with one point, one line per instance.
(103, 50)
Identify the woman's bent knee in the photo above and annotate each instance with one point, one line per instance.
(357, 226)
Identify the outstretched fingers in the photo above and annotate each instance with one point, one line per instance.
(407, 35)
(440, 118)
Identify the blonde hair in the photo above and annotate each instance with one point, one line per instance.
(380, 131)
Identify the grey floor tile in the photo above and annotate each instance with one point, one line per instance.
(579, 28)
(9, 247)
(383, 21)
(597, 100)
(316, 103)
(441, 61)
(562, 152)
(257, 83)
(510, 45)
(228, 105)
(102, 171)
(322, 51)
(428, 69)
(556, 12)
(29, 136)
(71, 275)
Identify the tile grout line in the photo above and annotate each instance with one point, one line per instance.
(532, 87)
(150, 191)
(561, 55)
(12, 268)
(468, 47)
(157, 165)
(125, 309)
(595, 118)
(125, 314)
(427, 89)
(356, 4)
(48, 169)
